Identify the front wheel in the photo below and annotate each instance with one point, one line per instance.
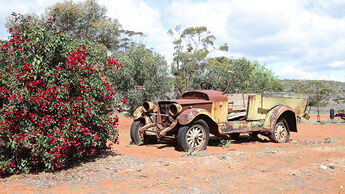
(280, 133)
(136, 136)
(194, 136)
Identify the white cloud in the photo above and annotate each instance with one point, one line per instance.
(211, 13)
(296, 72)
(19, 6)
(139, 16)
(296, 39)
(336, 64)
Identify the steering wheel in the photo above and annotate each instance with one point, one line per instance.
(206, 86)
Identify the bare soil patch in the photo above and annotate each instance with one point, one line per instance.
(306, 164)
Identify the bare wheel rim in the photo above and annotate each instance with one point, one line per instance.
(196, 136)
(280, 132)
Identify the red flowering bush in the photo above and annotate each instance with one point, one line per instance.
(54, 106)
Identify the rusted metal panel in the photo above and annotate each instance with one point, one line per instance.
(137, 113)
(298, 105)
(255, 110)
(220, 111)
(211, 95)
(189, 115)
(259, 106)
(241, 126)
(238, 101)
(191, 103)
(273, 115)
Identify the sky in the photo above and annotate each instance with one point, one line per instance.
(295, 39)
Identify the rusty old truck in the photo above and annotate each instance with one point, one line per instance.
(197, 114)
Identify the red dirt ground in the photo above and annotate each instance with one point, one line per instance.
(307, 164)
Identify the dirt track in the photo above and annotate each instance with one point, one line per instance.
(307, 164)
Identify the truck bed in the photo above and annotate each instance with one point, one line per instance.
(255, 106)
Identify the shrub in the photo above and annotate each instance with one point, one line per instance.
(54, 106)
(145, 68)
(331, 139)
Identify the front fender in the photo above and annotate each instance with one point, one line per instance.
(189, 115)
(274, 114)
(138, 113)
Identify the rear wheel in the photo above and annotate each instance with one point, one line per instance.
(280, 132)
(194, 136)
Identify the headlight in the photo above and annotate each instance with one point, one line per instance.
(148, 106)
(175, 109)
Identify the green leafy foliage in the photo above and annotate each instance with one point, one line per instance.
(331, 139)
(316, 90)
(144, 76)
(192, 46)
(244, 76)
(87, 20)
(192, 65)
(54, 106)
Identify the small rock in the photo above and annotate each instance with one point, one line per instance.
(332, 166)
(293, 173)
(323, 167)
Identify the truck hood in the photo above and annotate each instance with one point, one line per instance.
(185, 102)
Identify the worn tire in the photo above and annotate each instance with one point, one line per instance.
(281, 132)
(194, 136)
(331, 114)
(135, 135)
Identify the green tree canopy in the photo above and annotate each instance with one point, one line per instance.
(87, 20)
(143, 76)
(316, 90)
(192, 47)
(246, 76)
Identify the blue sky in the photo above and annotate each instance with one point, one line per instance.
(296, 39)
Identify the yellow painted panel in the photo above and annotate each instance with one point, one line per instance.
(258, 106)
(255, 111)
(220, 111)
(297, 104)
